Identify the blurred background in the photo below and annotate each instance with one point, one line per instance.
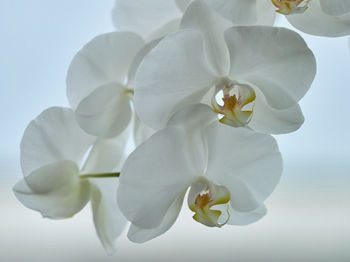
(309, 212)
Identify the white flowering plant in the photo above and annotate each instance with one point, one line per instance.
(200, 86)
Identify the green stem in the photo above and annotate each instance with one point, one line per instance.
(103, 175)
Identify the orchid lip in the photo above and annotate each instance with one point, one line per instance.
(288, 7)
(238, 102)
(210, 203)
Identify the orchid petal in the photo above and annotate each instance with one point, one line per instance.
(246, 218)
(144, 16)
(211, 25)
(335, 7)
(269, 120)
(316, 22)
(276, 60)
(51, 137)
(247, 163)
(106, 112)
(108, 219)
(54, 190)
(105, 59)
(140, 235)
(164, 83)
(153, 176)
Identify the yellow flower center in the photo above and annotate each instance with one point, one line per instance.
(288, 7)
(238, 104)
(204, 203)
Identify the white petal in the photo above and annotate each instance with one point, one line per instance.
(107, 155)
(138, 59)
(141, 131)
(173, 74)
(246, 218)
(316, 22)
(143, 16)
(266, 13)
(53, 136)
(276, 60)
(240, 12)
(335, 7)
(153, 176)
(108, 219)
(182, 4)
(199, 16)
(105, 112)
(139, 235)
(269, 120)
(103, 60)
(247, 163)
(55, 190)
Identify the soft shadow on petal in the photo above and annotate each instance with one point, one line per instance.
(54, 190)
(51, 137)
(139, 235)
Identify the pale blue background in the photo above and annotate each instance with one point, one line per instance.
(309, 212)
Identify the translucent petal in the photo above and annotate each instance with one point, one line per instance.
(246, 218)
(139, 235)
(108, 219)
(153, 176)
(144, 17)
(105, 112)
(276, 60)
(54, 190)
(335, 7)
(270, 120)
(105, 59)
(141, 131)
(316, 22)
(173, 74)
(53, 136)
(247, 163)
(211, 25)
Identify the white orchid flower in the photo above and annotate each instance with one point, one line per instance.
(156, 18)
(54, 161)
(99, 83)
(259, 72)
(324, 18)
(230, 172)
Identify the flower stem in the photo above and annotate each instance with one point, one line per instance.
(103, 175)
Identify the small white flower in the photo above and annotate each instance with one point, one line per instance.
(99, 83)
(53, 159)
(260, 72)
(230, 171)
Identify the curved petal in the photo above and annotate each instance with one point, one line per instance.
(103, 60)
(141, 131)
(139, 235)
(246, 218)
(335, 7)
(108, 219)
(247, 163)
(266, 14)
(53, 136)
(269, 120)
(106, 112)
(173, 74)
(182, 4)
(240, 12)
(107, 155)
(200, 17)
(153, 176)
(276, 60)
(144, 16)
(54, 190)
(316, 22)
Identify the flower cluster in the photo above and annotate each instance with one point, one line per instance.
(200, 86)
